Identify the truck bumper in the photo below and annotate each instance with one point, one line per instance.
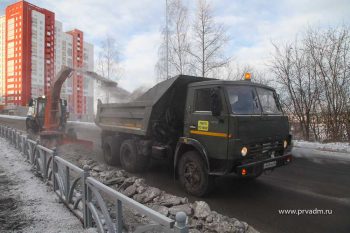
(256, 168)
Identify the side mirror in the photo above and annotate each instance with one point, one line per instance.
(215, 102)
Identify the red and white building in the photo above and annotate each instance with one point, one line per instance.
(33, 48)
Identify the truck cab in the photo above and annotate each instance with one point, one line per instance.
(234, 127)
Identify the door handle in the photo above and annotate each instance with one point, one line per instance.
(192, 127)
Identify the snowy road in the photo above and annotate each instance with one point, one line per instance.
(26, 203)
(316, 179)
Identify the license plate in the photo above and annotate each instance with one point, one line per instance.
(270, 164)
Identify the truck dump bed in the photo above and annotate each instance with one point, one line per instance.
(160, 108)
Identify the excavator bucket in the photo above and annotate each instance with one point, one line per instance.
(87, 144)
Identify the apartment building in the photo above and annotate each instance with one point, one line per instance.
(33, 48)
(73, 51)
(2, 59)
(29, 52)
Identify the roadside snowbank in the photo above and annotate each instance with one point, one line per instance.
(13, 117)
(322, 152)
(38, 204)
(332, 147)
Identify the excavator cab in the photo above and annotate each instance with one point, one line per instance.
(40, 111)
(36, 114)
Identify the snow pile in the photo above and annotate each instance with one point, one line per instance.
(333, 147)
(13, 117)
(38, 203)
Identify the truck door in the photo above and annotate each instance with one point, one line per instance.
(211, 131)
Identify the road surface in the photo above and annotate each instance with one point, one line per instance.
(311, 181)
(303, 184)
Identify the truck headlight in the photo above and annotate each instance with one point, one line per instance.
(244, 151)
(285, 144)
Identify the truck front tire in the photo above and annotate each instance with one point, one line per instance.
(130, 159)
(193, 174)
(111, 151)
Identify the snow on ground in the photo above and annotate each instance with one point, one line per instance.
(322, 152)
(13, 117)
(83, 123)
(38, 207)
(333, 147)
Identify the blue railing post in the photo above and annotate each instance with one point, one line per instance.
(67, 176)
(44, 164)
(54, 169)
(119, 209)
(180, 224)
(86, 198)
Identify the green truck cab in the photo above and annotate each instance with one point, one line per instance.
(206, 127)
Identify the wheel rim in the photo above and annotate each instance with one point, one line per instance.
(192, 175)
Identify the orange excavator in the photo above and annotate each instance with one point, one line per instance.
(47, 115)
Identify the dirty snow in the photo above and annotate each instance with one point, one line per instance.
(322, 152)
(333, 147)
(37, 207)
(83, 123)
(13, 117)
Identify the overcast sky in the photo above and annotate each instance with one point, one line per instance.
(135, 24)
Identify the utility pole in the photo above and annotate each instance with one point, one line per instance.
(167, 39)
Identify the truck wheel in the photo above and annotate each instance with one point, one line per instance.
(193, 174)
(111, 150)
(130, 159)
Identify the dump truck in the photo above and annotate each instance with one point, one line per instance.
(205, 127)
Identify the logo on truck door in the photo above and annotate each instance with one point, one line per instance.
(203, 125)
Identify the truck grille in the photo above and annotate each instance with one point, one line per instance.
(265, 149)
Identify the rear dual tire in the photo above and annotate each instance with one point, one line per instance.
(130, 159)
(118, 152)
(111, 147)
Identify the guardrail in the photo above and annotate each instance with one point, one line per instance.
(84, 195)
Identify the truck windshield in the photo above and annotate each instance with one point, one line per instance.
(268, 100)
(243, 100)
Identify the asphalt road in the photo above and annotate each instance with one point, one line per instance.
(311, 181)
(303, 184)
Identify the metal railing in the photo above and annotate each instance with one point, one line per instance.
(85, 196)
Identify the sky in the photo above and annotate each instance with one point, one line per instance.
(135, 24)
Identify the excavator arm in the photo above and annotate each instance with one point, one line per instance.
(52, 108)
(51, 135)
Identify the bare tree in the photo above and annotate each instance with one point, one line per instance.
(108, 59)
(298, 79)
(330, 52)
(209, 41)
(236, 71)
(162, 62)
(108, 63)
(175, 56)
(315, 73)
(179, 39)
